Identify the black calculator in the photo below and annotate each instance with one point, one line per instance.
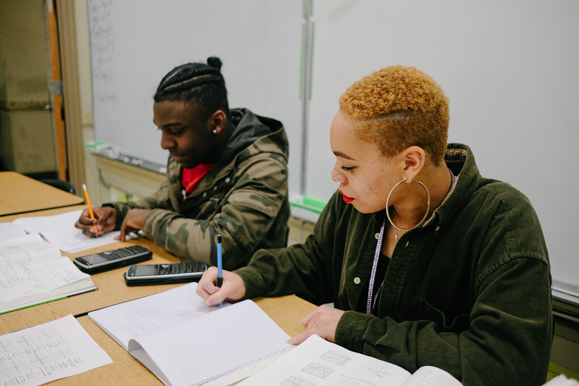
(105, 261)
(152, 274)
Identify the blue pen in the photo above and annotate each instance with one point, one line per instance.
(219, 265)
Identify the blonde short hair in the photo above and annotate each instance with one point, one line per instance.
(398, 107)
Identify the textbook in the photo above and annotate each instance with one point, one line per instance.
(317, 362)
(184, 342)
(33, 272)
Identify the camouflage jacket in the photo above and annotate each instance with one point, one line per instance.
(244, 198)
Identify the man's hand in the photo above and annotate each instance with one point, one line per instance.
(133, 222)
(105, 220)
(232, 288)
(322, 321)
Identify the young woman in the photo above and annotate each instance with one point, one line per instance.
(426, 261)
(226, 174)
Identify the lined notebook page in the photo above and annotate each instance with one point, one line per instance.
(201, 349)
(142, 316)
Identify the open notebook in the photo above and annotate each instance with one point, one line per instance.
(32, 272)
(184, 342)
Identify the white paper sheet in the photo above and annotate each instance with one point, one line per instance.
(562, 380)
(49, 351)
(9, 231)
(142, 316)
(59, 230)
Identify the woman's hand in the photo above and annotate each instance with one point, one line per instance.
(322, 321)
(232, 288)
(133, 222)
(105, 220)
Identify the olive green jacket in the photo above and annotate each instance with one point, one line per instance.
(244, 198)
(468, 291)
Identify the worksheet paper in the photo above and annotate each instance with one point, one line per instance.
(29, 265)
(47, 352)
(59, 230)
(9, 231)
(143, 316)
(317, 362)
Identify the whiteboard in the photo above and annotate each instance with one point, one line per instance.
(511, 71)
(134, 43)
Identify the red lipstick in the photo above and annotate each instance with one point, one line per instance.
(347, 199)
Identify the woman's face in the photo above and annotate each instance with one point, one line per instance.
(364, 174)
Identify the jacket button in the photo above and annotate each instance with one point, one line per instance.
(227, 180)
(357, 280)
(215, 188)
(437, 228)
(205, 194)
(377, 235)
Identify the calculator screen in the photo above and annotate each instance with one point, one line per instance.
(145, 270)
(94, 259)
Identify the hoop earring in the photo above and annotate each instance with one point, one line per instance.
(427, 208)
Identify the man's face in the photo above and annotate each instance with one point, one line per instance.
(188, 138)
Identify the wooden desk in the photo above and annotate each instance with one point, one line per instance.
(21, 194)
(286, 311)
(111, 285)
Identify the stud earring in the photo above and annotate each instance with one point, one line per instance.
(214, 131)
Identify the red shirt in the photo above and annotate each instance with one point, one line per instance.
(192, 177)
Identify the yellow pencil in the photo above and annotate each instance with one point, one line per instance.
(96, 232)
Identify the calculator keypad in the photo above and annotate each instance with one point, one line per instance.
(123, 252)
(185, 267)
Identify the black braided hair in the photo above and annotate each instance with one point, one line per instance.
(198, 84)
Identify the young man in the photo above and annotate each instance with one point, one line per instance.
(226, 174)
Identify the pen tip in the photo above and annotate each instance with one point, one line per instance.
(218, 238)
(84, 186)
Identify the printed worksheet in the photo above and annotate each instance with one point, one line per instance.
(59, 230)
(47, 352)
